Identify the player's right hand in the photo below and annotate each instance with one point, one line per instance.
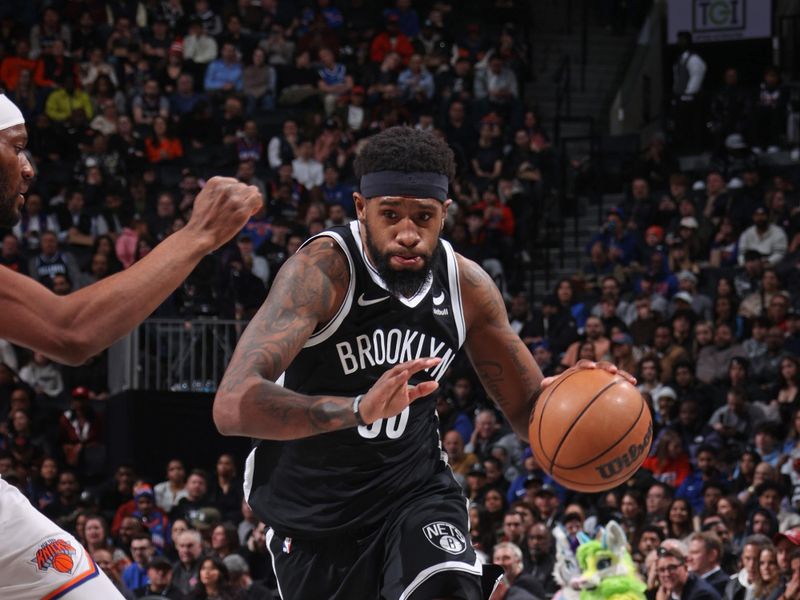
(389, 396)
(221, 209)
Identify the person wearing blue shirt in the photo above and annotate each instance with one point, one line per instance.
(416, 82)
(334, 192)
(692, 488)
(620, 242)
(406, 16)
(135, 574)
(224, 73)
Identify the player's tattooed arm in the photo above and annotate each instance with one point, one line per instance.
(306, 294)
(504, 364)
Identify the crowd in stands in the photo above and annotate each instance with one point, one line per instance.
(691, 283)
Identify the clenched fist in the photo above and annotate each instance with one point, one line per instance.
(221, 209)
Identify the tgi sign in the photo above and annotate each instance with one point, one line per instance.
(714, 16)
(719, 20)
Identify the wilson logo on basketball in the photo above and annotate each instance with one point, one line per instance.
(617, 464)
(446, 537)
(56, 555)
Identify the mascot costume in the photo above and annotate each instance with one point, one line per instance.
(600, 569)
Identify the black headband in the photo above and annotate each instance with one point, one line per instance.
(419, 184)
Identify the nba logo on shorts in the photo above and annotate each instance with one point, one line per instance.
(55, 554)
(446, 537)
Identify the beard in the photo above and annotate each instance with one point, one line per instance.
(403, 282)
(9, 211)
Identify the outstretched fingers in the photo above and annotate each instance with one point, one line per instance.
(421, 390)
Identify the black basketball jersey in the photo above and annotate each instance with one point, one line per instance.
(349, 479)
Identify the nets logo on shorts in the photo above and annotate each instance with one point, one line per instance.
(55, 554)
(446, 537)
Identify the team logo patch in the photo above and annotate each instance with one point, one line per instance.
(55, 554)
(446, 537)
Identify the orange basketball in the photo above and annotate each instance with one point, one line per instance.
(62, 563)
(590, 430)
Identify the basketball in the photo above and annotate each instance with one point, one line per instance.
(590, 430)
(62, 563)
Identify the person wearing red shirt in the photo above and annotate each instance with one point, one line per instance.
(391, 40)
(14, 64)
(670, 463)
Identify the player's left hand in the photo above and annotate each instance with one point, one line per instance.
(590, 364)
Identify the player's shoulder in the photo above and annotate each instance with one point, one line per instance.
(323, 251)
(481, 300)
(473, 275)
(320, 268)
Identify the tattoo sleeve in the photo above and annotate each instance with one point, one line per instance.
(306, 293)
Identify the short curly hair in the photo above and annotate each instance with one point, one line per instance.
(405, 149)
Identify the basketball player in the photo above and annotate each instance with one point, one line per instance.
(335, 374)
(38, 560)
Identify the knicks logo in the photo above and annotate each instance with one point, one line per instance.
(617, 464)
(57, 555)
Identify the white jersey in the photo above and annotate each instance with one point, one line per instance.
(39, 560)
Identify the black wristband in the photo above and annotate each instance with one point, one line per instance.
(359, 419)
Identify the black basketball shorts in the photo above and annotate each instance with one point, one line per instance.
(421, 551)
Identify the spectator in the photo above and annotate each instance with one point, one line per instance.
(516, 584)
(225, 491)
(43, 376)
(768, 119)
(159, 576)
(186, 570)
(333, 81)
(541, 550)
(105, 561)
(703, 559)
(713, 360)
(670, 462)
(675, 579)
(693, 487)
(763, 237)
(135, 575)
(148, 105)
(259, 83)
(735, 421)
(225, 73)
(688, 73)
(391, 40)
(65, 99)
(168, 493)
(199, 48)
(768, 583)
(160, 146)
(595, 333)
(240, 579)
(305, 169)
(214, 581)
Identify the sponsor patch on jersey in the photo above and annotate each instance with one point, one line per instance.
(445, 536)
(58, 555)
(441, 312)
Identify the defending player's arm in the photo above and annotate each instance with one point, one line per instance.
(307, 292)
(72, 328)
(504, 364)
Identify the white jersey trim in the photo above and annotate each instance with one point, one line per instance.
(455, 292)
(329, 329)
(452, 565)
(249, 469)
(412, 302)
(270, 536)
